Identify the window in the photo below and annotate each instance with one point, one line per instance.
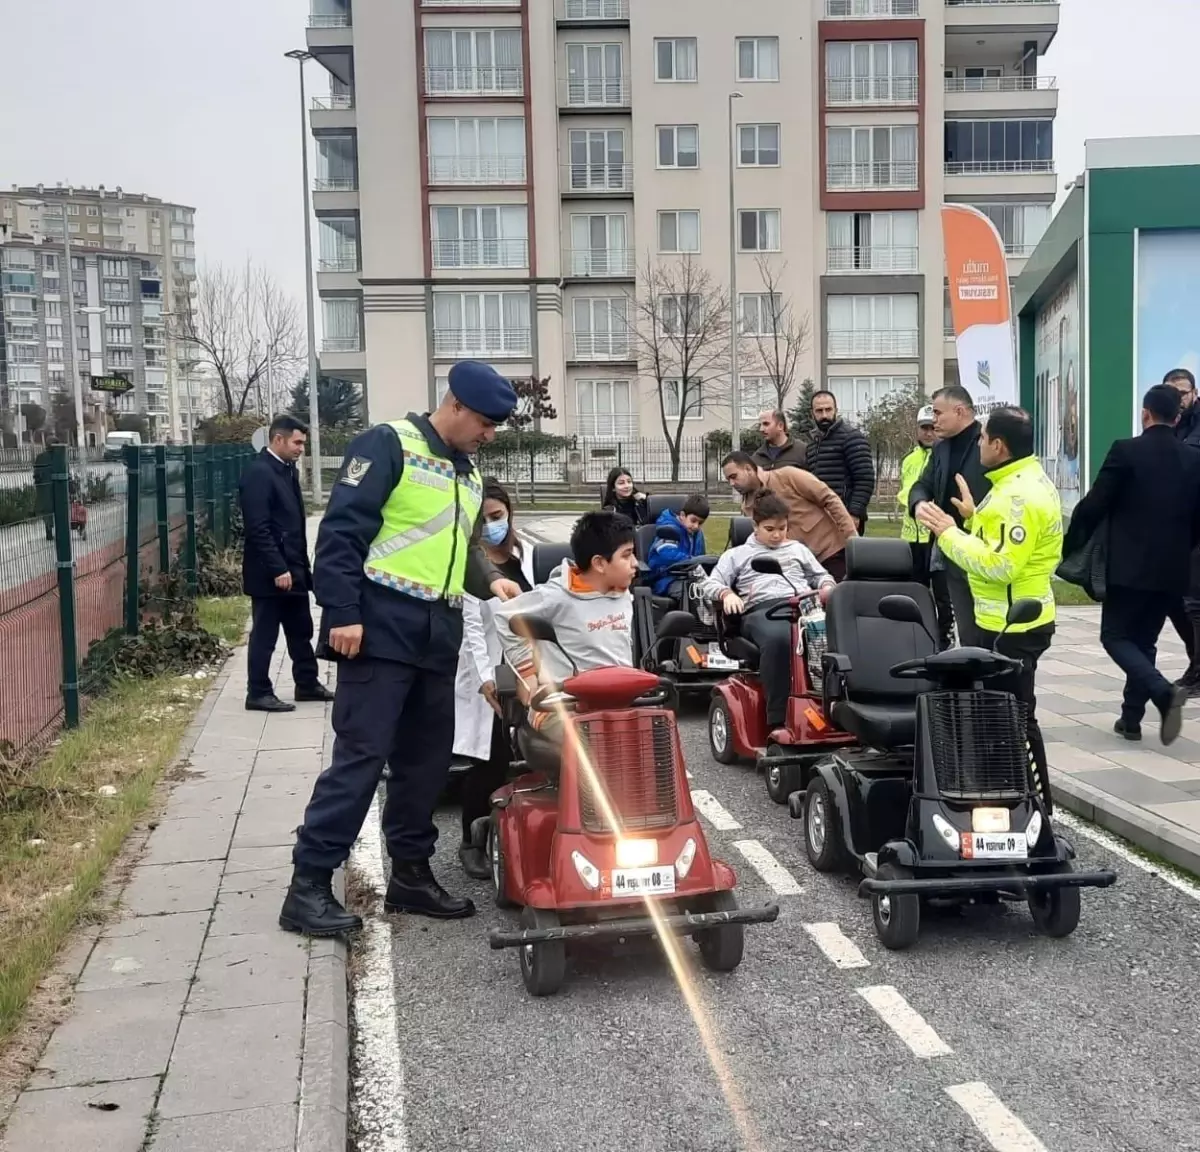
(118, 335)
(876, 72)
(49, 262)
(595, 75)
(112, 229)
(761, 312)
(72, 209)
(53, 310)
(340, 324)
(480, 237)
(114, 268)
(872, 241)
(604, 409)
(481, 323)
(758, 394)
(337, 243)
(1021, 226)
(599, 246)
(679, 231)
(601, 327)
(51, 285)
(93, 229)
(758, 230)
(872, 326)
(678, 146)
(79, 288)
(74, 229)
(116, 290)
(758, 58)
(93, 211)
(758, 145)
(598, 160)
(337, 164)
(81, 333)
(488, 150)
(857, 395)
(78, 263)
(472, 60)
(119, 358)
(692, 394)
(118, 314)
(999, 146)
(680, 315)
(675, 60)
(883, 157)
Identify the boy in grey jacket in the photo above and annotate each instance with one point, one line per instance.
(738, 588)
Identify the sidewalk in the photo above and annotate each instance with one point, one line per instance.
(197, 1024)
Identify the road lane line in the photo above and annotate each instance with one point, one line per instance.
(837, 947)
(710, 808)
(903, 1019)
(998, 1126)
(775, 875)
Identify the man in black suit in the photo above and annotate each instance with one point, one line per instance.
(1149, 491)
(276, 573)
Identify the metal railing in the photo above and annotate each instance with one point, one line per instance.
(989, 3)
(338, 102)
(599, 262)
(1001, 83)
(595, 92)
(569, 10)
(470, 3)
(329, 20)
(474, 81)
(341, 344)
(481, 253)
(1019, 250)
(871, 90)
(879, 174)
(346, 263)
(902, 343)
(597, 178)
(482, 341)
(477, 169)
(600, 346)
(873, 258)
(870, 9)
(997, 167)
(335, 184)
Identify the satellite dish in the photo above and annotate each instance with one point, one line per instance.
(261, 438)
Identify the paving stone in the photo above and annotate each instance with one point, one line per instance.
(157, 889)
(258, 859)
(270, 822)
(1087, 692)
(304, 762)
(71, 1119)
(208, 797)
(326, 994)
(1156, 765)
(146, 950)
(1125, 784)
(295, 732)
(1185, 812)
(276, 788)
(271, 1129)
(1048, 719)
(256, 968)
(181, 839)
(1067, 758)
(249, 902)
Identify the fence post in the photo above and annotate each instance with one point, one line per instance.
(133, 539)
(160, 505)
(189, 497)
(60, 480)
(210, 489)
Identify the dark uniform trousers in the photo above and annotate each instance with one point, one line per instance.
(384, 712)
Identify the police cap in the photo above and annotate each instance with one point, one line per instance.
(482, 389)
(925, 416)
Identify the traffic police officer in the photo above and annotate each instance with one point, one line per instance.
(1009, 548)
(396, 550)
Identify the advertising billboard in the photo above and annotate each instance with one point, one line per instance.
(1167, 320)
(1057, 410)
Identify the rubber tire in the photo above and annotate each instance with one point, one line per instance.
(727, 755)
(721, 948)
(789, 779)
(495, 851)
(903, 924)
(832, 856)
(543, 966)
(1056, 912)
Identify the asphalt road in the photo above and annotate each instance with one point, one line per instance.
(984, 1036)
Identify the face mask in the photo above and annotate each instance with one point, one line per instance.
(495, 532)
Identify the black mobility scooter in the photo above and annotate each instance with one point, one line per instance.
(940, 803)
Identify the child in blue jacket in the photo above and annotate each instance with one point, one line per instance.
(663, 553)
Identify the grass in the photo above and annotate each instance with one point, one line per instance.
(225, 616)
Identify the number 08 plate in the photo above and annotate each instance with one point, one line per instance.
(643, 881)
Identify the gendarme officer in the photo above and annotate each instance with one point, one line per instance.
(395, 552)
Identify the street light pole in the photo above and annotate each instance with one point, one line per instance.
(735, 319)
(314, 416)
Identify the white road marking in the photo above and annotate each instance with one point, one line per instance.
(379, 1084)
(710, 808)
(776, 876)
(1098, 836)
(837, 947)
(903, 1019)
(998, 1126)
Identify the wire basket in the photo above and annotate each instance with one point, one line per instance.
(814, 645)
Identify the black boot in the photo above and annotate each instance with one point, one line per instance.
(475, 862)
(413, 888)
(312, 694)
(312, 909)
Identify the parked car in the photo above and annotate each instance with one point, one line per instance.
(115, 444)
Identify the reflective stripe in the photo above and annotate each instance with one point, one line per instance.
(421, 532)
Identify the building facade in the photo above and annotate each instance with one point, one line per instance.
(504, 197)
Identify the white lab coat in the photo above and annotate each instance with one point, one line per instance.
(476, 665)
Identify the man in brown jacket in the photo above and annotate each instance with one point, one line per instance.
(816, 516)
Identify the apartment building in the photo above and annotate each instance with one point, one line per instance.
(112, 221)
(500, 198)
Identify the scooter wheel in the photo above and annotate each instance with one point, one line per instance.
(544, 965)
(495, 851)
(782, 779)
(822, 831)
(721, 947)
(1055, 912)
(897, 918)
(720, 732)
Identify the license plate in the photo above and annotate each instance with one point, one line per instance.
(994, 846)
(718, 660)
(643, 881)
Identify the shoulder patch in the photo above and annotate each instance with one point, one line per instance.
(355, 471)
(1017, 534)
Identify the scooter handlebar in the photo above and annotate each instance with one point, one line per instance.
(929, 668)
(789, 610)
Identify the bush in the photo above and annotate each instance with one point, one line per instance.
(230, 429)
(161, 648)
(219, 570)
(17, 504)
(719, 439)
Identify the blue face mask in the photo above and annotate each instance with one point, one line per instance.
(495, 532)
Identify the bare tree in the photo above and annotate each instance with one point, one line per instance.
(681, 320)
(780, 336)
(241, 320)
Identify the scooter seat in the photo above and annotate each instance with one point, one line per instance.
(540, 753)
(662, 604)
(882, 726)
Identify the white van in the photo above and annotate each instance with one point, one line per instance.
(116, 442)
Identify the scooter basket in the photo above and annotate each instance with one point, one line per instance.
(977, 744)
(813, 638)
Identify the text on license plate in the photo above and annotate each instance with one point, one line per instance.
(643, 881)
(717, 659)
(994, 846)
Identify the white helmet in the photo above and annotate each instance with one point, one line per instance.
(925, 416)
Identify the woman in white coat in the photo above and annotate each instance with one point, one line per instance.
(479, 734)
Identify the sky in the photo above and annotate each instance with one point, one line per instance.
(193, 101)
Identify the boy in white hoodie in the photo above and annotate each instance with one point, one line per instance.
(589, 604)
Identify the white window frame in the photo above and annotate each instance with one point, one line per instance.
(498, 339)
(760, 389)
(672, 131)
(867, 337)
(873, 256)
(591, 341)
(480, 251)
(606, 89)
(755, 132)
(762, 228)
(608, 175)
(473, 165)
(693, 393)
(872, 168)
(880, 386)
(675, 42)
(675, 312)
(761, 313)
(621, 424)
(469, 78)
(677, 213)
(758, 43)
(872, 88)
(615, 259)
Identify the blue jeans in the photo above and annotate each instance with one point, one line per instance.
(1130, 623)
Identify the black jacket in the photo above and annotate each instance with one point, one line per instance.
(841, 457)
(791, 455)
(276, 534)
(1187, 431)
(958, 456)
(396, 626)
(1149, 490)
(636, 510)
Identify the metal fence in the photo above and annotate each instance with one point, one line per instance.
(81, 539)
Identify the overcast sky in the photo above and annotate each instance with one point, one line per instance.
(192, 100)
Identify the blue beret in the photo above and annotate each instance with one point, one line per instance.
(482, 389)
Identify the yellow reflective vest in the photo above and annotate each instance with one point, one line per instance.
(911, 468)
(1010, 548)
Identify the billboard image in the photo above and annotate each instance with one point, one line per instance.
(1167, 323)
(1057, 406)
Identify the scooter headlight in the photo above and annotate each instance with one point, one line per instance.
(683, 862)
(946, 831)
(637, 853)
(1033, 833)
(588, 872)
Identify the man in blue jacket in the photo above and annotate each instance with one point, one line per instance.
(689, 522)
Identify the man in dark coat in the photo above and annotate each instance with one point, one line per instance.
(778, 449)
(1185, 613)
(276, 573)
(43, 488)
(840, 456)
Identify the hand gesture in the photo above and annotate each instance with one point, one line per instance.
(284, 582)
(932, 517)
(505, 589)
(346, 641)
(732, 604)
(963, 502)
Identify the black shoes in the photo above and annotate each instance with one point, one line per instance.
(475, 862)
(268, 703)
(1172, 715)
(312, 909)
(1128, 731)
(312, 694)
(413, 888)
(1190, 681)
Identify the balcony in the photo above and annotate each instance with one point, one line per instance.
(484, 170)
(600, 347)
(333, 103)
(870, 9)
(335, 184)
(592, 13)
(878, 258)
(1006, 23)
(597, 179)
(852, 91)
(488, 342)
(588, 94)
(886, 345)
(981, 180)
(877, 176)
(329, 20)
(341, 344)
(473, 82)
(332, 112)
(329, 33)
(347, 262)
(470, 3)
(481, 253)
(1015, 94)
(600, 263)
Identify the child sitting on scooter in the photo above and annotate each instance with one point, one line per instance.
(689, 524)
(590, 606)
(739, 589)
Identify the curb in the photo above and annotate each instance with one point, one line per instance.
(1176, 845)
